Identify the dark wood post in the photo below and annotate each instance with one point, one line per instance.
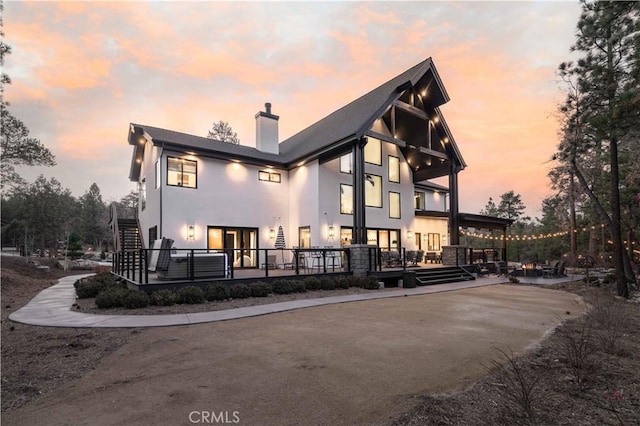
(454, 221)
(359, 209)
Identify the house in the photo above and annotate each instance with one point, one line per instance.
(361, 175)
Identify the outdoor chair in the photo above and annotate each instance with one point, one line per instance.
(411, 257)
(271, 262)
(431, 256)
(385, 258)
(419, 256)
(395, 258)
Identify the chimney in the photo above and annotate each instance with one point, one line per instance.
(267, 131)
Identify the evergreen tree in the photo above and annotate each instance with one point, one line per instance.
(16, 147)
(606, 112)
(94, 217)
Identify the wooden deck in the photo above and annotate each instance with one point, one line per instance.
(254, 274)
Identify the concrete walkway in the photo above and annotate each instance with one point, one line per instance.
(52, 306)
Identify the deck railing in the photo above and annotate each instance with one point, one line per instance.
(133, 265)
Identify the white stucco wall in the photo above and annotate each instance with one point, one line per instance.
(228, 194)
(304, 202)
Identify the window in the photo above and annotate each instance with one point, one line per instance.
(346, 199)
(143, 194)
(394, 169)
(157, 176)
(394, 205)
(373, 151)
(153, 234)
(181, 172)
(304, 237)
(433, 242)
(372, 190)
(346, 163)
(419, 200)
(269, 176)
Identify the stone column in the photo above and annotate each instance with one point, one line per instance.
(454, 255)
(361, 262)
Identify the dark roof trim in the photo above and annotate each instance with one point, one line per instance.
(483, 222)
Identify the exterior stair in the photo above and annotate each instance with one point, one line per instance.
(449, 274)
(129, 234)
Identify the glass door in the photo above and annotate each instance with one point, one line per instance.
(243, 242)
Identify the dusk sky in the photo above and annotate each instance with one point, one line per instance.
(82, 71)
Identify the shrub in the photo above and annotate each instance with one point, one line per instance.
(342, 283)
(260, 289)
(370, 283)
(327, 284)
(513, 279)
(298, 286)
(240, 291)
(110, 298)
(518, 385)
(312, 283)
(191, 295)
(163, 298)
(217, 292)
(89, 289)
(91, 286)
(609, 279)
(133, 299)
(579, 349)
(354, 281)
(282, 287)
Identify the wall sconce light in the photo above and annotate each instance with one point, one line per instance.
(332, 232)
(191, 232)
(424, 237)
(409, 234)
(272, 234)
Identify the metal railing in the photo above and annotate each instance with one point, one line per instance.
(134, 265)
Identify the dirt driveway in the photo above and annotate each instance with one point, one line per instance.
(354, 363)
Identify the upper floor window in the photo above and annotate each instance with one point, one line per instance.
(181, 172)
(394, 205)
(394, 169)
(373, 151)
(346, 163)
(346, 199)
(419, 198)
(269, 176)
(373, 190)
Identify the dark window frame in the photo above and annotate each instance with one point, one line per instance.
(182, 161)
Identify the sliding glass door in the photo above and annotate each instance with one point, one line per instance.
(243, 242)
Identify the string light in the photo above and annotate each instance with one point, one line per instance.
(529, 237)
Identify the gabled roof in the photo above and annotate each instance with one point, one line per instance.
(354, 119)
(340, 127)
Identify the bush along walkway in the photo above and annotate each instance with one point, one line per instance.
(52, 306)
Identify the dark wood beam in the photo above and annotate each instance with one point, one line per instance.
(359, 209)
(433, 153)
(454, 224)
(386, 138)
(411, 110)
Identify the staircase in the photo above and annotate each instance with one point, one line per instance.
(448, 274)
(129, 235)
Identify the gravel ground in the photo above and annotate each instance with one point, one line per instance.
(38, 361)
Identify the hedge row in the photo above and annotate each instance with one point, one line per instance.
(110, 293)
